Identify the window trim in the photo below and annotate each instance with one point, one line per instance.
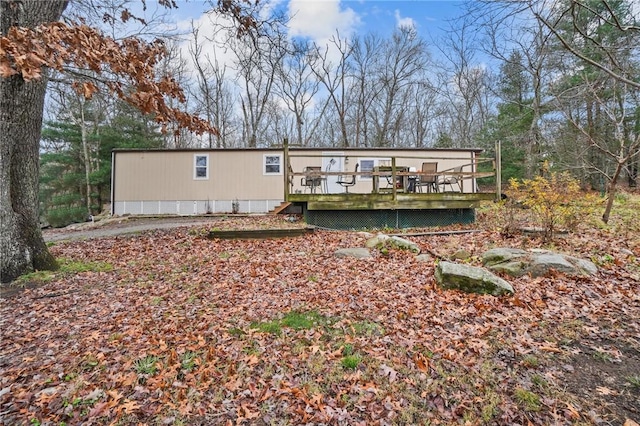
(195, 167)
(264, 165)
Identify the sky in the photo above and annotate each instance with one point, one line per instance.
(319, 19)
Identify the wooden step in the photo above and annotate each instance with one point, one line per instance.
(279, 209)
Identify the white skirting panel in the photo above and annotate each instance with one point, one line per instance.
(193, 207)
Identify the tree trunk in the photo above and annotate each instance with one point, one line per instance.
(87, 159)
(22, 247)
(611, 192)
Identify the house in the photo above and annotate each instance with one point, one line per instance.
(200, 181)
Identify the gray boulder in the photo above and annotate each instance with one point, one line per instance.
(357, 252)
(424, 258)
(501, 255)
(461, 254)
(470, 279)
(382, 240)
(541, 264)
(537, 263)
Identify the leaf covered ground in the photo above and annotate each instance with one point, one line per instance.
(167, 327)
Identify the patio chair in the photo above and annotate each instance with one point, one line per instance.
(428, 177)
(347, 181)
(453, 179)
(312, 180)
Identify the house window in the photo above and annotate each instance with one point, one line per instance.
(366, 167)
(201, 166)
(272, 164)
(368, 164)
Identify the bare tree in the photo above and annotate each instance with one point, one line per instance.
(363, 91)
(399, 67)
(212, 91)
(297, 85)
(333, 75)
(622, 146)
(464, 86)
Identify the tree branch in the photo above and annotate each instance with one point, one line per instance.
(578, 54)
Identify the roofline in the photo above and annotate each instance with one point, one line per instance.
(297, 149)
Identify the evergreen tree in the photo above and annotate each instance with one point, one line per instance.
(63, 181)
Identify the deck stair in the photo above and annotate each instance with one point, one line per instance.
(280, 208)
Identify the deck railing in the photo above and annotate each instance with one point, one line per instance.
(313, 178)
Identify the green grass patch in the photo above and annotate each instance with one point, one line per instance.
(634, 381)
(530, 361)
(350, 362)
(236, 332)
(68, 266)
(37, 276)
(367, 328)
(296, 320)
(528, 400)
(146, 365)
(303, 320)
(188, 360)
(271, 327)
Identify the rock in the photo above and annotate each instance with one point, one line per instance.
(626, 252)
(542, 264)
(424, 258)
(470, 279)
(385, 241)
(401, 243)
(357, 252)
(365, 234)
(500, 255)
(587, 267)
(514, 268)
(461, 254)
(379, 239)
(537, 263)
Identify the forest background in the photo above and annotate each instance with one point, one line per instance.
(555, 82)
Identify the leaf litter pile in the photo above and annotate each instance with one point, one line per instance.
(169, 327)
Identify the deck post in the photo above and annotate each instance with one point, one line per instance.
(286, 166)
(498, 171)
(393, 179)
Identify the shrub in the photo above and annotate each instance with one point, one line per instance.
(553, 203)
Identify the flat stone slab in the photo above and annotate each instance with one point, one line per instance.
(537, 263)
(470, 279)
(357, 252)
(383, 240)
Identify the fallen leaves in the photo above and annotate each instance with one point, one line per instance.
(423, 354)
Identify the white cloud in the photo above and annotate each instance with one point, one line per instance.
(404, 22)
(211, 37)
(319, 19)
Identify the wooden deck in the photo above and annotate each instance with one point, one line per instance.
(390, 201)
(393, 191)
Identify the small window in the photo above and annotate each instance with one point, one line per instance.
(368, 164)
(366, 167)
(201, 167)
(272, 164)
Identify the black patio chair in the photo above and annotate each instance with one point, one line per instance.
(348, 180)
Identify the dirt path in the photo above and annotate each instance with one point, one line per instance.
(121, 226)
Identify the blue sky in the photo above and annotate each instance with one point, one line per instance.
(319, 19)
